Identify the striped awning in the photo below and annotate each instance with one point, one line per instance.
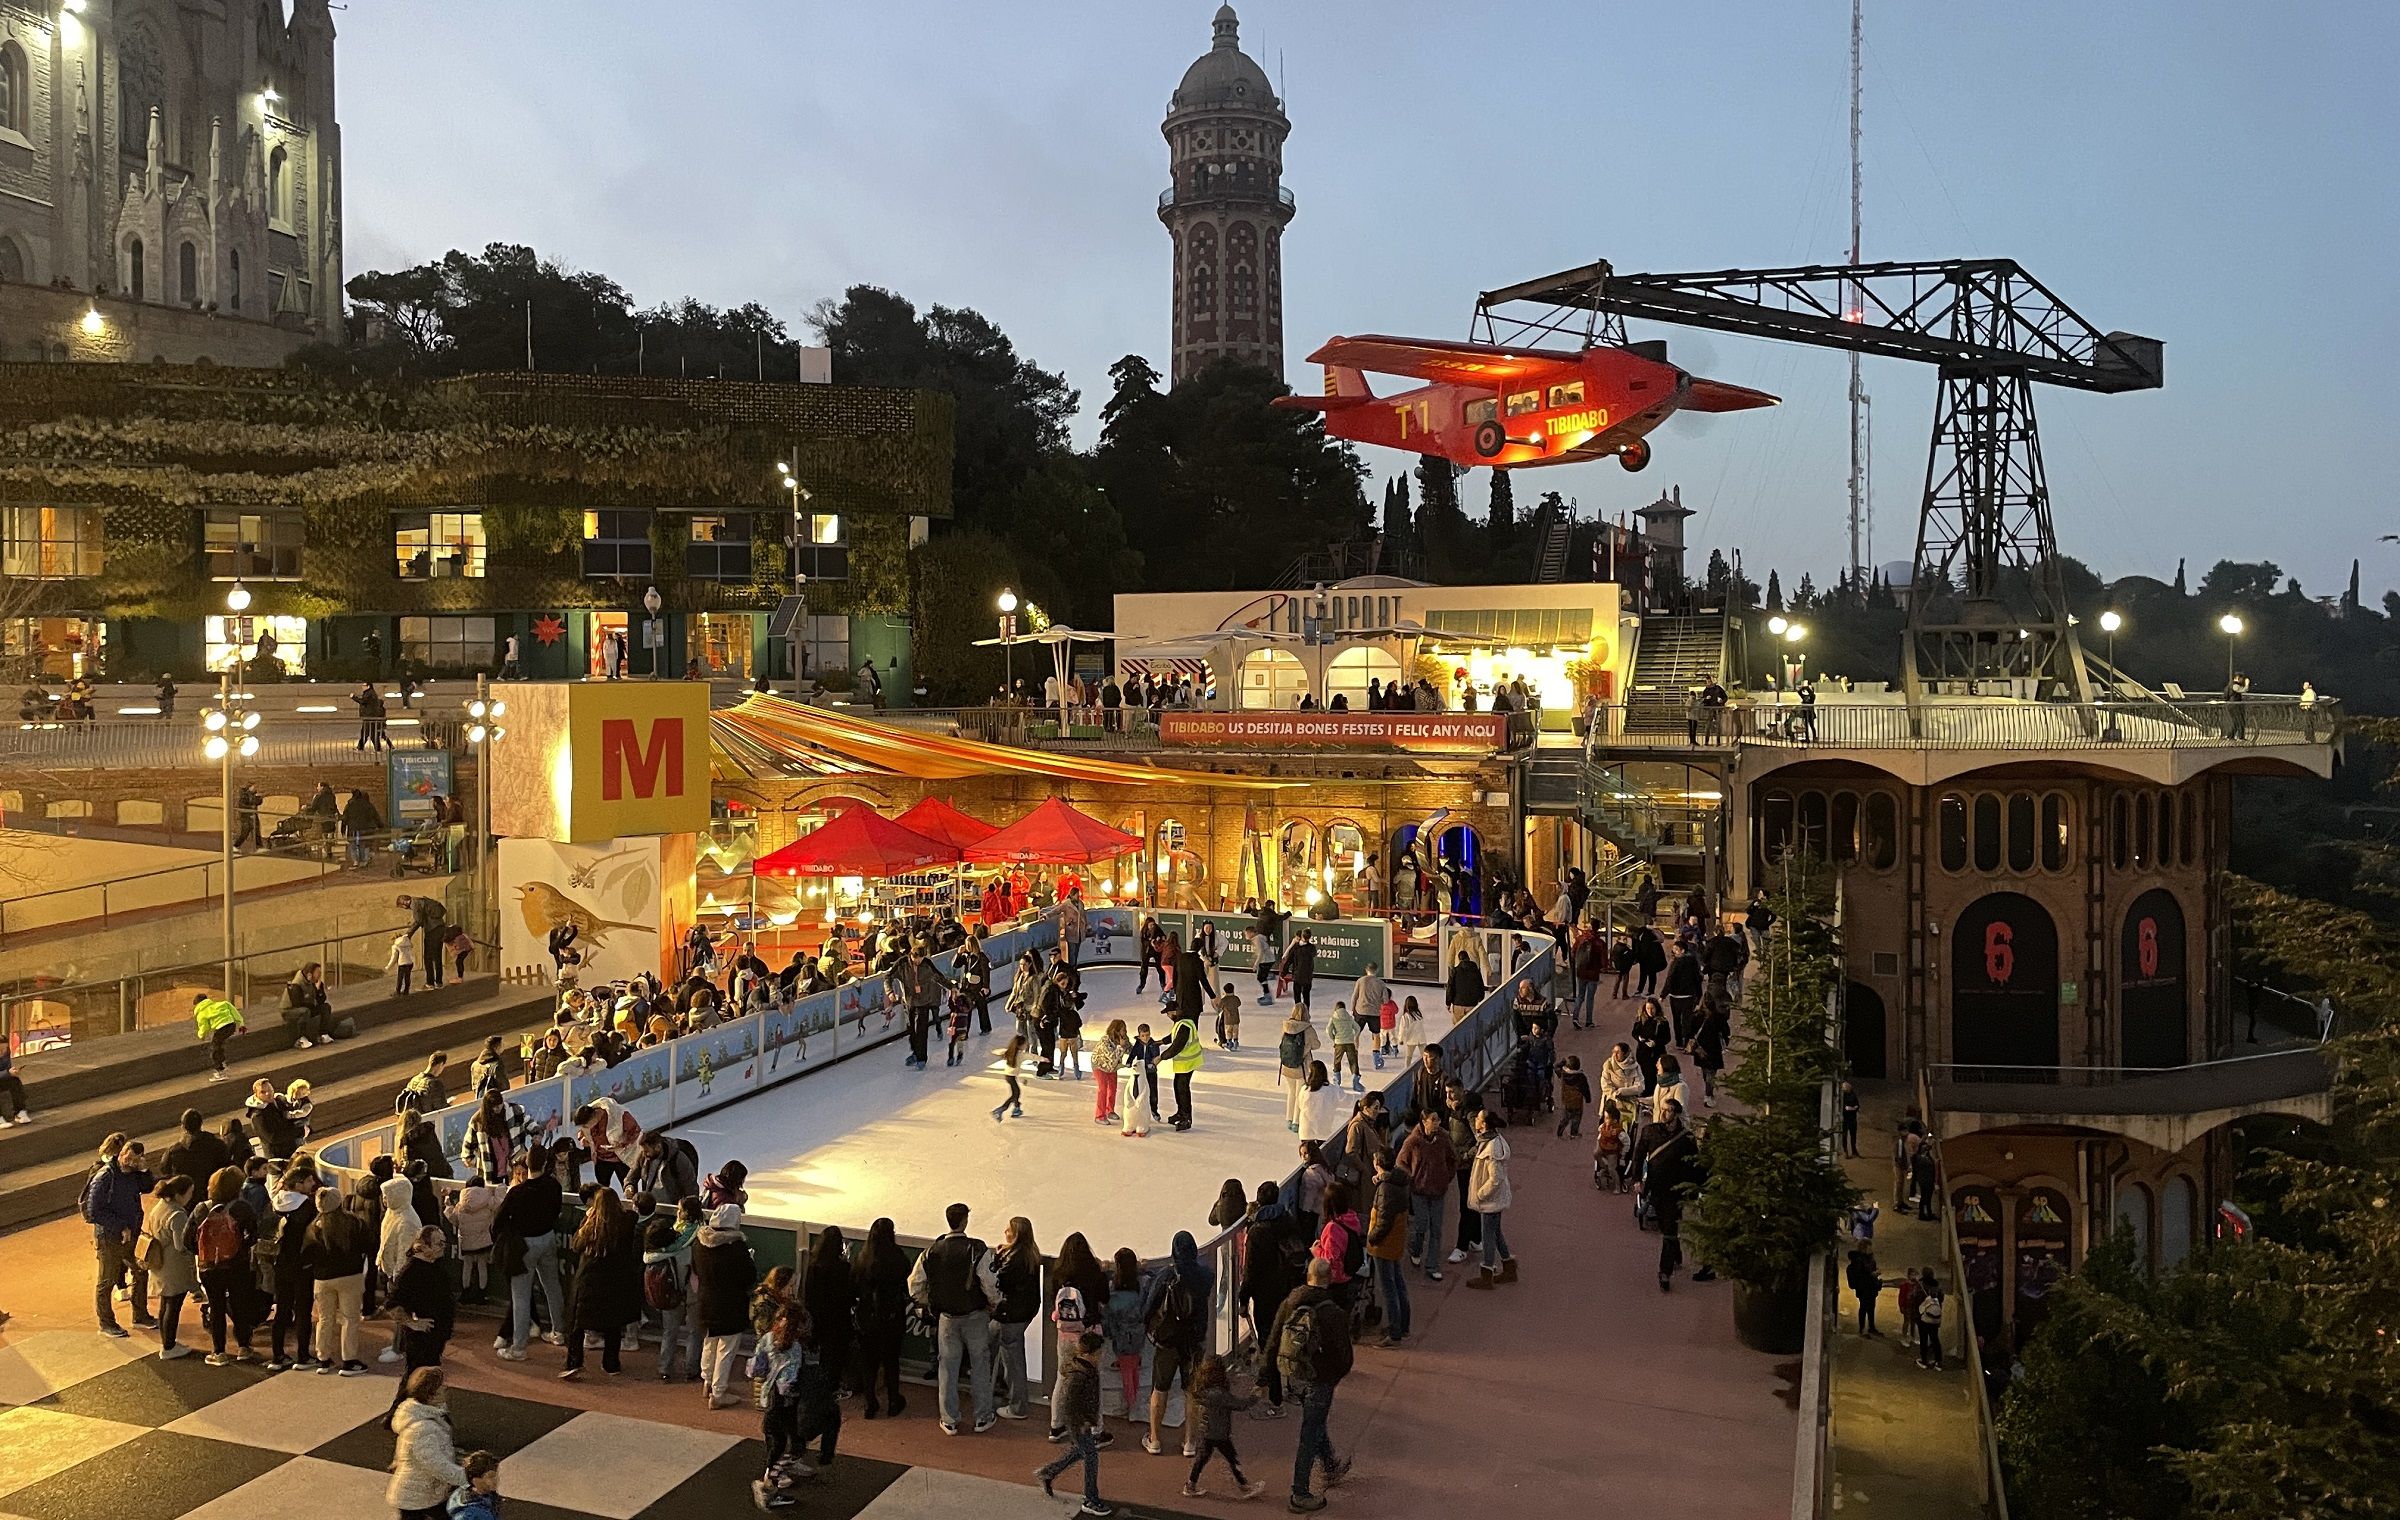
(1170, 667)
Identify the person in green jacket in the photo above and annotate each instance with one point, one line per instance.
(217, 1021)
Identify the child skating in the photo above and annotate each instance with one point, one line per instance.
(1013, 1106)
(1344, 1031)
(962, 1011)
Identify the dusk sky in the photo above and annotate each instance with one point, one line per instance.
(2221, 176)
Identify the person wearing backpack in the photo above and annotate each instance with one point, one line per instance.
(1175, 1313)
(667, 1289)
(1310, 1344)
(667, 1167)
(292, 1208)
(334, 1254)
(426, 1092)
(1293, 1051)
(957, 1282)
(113, 1201)
(1341, 1243)
(166, 1249)
(223, 1231)
(1929, 1320)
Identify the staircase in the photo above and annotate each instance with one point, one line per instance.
(1554, 782)
(1676, 654)
(1558, 536)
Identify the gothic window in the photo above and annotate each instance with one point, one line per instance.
(12, 265)
(187, 274)
(234, 284)
(275, 169)
(135, 283)
(141, 85)
(16, 106)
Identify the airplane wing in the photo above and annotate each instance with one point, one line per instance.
(1320, 403)
(1717, 396)
(1435, 360)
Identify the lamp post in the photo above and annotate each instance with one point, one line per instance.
(2231, 626)
(484, 733)
(231, 728)
(2110, 622)
(800, 540)
(651, 602)
(1008, 634)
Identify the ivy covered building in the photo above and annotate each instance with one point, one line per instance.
(427, 522)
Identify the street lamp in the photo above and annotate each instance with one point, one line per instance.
(232, 730)
(2110, 622)
(484, 733)
(1008, 633)
(2231, 626)
(651, 602)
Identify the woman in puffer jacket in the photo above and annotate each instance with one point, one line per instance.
(1489, 1194)
(425, 1466)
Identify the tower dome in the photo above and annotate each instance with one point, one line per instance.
(1226, 208)
(1225, 75)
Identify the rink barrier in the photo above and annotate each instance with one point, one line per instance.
(1473, 1051)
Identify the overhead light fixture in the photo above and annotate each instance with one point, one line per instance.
(238, 598)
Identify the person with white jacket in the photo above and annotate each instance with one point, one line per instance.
(1324, 1106)
(425, 1466)
(400, 1227)
(1489, 1195)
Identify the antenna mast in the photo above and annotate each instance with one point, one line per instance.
(1854, 310)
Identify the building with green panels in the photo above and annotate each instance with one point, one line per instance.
(427, 522)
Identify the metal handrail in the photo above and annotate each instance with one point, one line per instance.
(1776, 720)
(2059, 1075)
(177, 743)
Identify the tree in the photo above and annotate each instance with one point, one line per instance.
(957, 578)
(1011, 414)
(1217, 486)
(2179, 588)
(1399, 527)
(2240, 581)
(1720, 575)
(1804, 596)
(1774, 593)
(1441, 525)
(1501, 516)
(2350, 596)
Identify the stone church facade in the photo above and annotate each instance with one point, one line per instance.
(170, 180)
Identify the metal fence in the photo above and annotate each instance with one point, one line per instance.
(1987, 1074)
(175, 743)
(1990, 723)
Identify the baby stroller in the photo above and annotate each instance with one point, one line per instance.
(1520, 1093)
(418, 850)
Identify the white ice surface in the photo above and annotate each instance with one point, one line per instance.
(867, 1138)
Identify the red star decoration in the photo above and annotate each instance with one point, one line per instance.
(549, 628)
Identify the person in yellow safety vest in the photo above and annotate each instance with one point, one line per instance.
(217, 1022)
(1183, 1054)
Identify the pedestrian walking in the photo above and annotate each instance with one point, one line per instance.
(1310, 1342)
(1490, 1193)
(1213, 1391)
(1080, 1378)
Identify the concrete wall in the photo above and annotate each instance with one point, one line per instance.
(56, 879)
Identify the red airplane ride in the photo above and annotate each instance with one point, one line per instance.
(1512, 408)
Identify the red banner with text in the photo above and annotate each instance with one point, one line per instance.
(1418, 733)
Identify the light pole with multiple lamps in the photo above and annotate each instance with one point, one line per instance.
(800, 540)
(1008, 635)
(232, 729)
(483, 733)
(652, 635)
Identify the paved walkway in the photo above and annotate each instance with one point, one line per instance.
(1904, 1440)
(1577, 1386)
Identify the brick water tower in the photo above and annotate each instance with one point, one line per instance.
(1226, 209)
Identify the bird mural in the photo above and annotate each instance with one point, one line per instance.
(546, 908)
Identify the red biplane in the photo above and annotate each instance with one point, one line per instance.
(1511, 407)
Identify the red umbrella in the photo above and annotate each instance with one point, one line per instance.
(1054, 834)
(861, 842)
(937, 819)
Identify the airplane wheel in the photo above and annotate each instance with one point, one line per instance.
(1489, 439)
(1635, 456)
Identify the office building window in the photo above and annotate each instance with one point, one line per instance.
(720, 547)
(49, 543)
(449, 644)
(825, 547)
(438, 545)
(246, 546)
(616, 543)
(826, 645)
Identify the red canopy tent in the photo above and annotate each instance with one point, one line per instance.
(861, 842)
(938, 820)
(1054, 834)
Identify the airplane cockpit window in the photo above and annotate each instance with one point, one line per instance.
(1521, 402)
(1482, 411)
(1569, 394)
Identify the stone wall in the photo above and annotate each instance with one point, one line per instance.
(40, 323)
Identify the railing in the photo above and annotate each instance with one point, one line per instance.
(1973, 1074)
(1991, 1481)
(1219, 194)
(37, 1014)
(175, 743)
(1989, 723)
(95, 904)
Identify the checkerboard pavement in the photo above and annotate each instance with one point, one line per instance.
(99, 1429)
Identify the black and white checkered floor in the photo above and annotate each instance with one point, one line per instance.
(100, 1429)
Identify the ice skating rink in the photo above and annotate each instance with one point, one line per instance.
(867, 1137)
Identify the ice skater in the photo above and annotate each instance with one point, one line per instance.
(1145, 1058)
(962, 1013)
(1013, 1107)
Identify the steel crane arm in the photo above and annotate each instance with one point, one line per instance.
(1961, 314)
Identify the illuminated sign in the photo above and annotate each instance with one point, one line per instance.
(1416, 733)
(594, 760)
(1589, 420)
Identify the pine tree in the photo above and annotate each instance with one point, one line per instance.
(1441, 526)
(2350, 597)
(1774, 593)
(2179, 587)
(1720, 574)
(1804, 598)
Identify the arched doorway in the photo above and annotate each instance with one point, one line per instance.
(2133, 1214)
(1863, 1030)
(2004, 983)
(1446, 879)
(1296, 861)
(1977, 1212)
(1272, 678)
(1352, 669)
(2044, 1257)
(2153, 1021)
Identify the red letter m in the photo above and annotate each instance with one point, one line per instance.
(622, 753)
